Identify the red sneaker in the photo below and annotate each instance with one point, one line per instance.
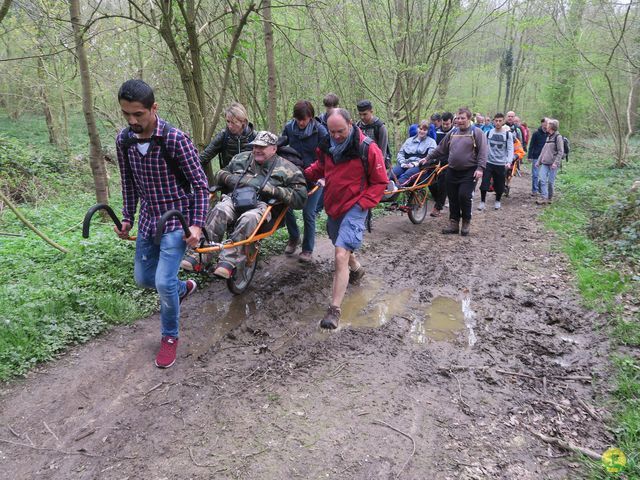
(167, 354)
(192, 286)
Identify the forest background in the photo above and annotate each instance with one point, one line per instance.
(61, 64)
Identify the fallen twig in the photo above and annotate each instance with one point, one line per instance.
(13, 431)
(206, 465)
(51, 431)
(516, 374)
(590, 410)
(469, 411)
(566, 445)
(84, 435)
(66, 452)
(580, 378)
(155, 387)
(380, 422)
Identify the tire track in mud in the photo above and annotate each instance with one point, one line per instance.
(259, 392)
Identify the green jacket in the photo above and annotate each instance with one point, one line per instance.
(286, 183)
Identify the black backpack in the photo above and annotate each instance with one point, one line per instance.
(567, 147)
(129, 140)
(377, 125)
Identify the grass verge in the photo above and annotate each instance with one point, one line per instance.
(588, 188)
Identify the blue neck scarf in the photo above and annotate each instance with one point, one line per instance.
(337, 149)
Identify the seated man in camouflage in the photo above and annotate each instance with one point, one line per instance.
(285, 183)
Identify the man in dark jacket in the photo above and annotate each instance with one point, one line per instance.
(466, 148)
(304, 133)
(230, 141)
(374, 128)
(538, 140)
(355, 183)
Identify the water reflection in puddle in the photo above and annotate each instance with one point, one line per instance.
(225, 317)
(445, 318)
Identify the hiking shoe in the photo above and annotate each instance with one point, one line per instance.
(435, 212)
(454, 227)
(356, 275)
(192, 286)
(331, 318)
(482, 206)
(195, 262)
(542, 201)
(466, 224)
(497, 206)
(223, 270)
(305, 257)
(292, 246)
(167, 354)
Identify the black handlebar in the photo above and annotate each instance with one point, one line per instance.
(92, 211)
(163, 220)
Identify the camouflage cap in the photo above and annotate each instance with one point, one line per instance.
(264, 139)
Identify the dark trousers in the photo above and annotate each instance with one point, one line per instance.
(460, 186)
(497, 172)
(438, 190)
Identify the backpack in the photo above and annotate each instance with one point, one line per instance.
(567, 147)
(129, 140)
(377, 125)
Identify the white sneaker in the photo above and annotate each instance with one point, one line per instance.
(481, 206)
(497, 206)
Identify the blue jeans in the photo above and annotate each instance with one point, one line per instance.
(547, 180)
(309, 212)
(403, 174)
(535, 177)
(157, 267)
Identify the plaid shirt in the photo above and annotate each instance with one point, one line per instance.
(149, 179)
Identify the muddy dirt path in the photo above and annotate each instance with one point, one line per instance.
(409, 387)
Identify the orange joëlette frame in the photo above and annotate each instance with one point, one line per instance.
(255, 236)
(416, 185)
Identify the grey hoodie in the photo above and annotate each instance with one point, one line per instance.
(500, 146)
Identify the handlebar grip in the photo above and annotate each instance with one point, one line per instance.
(91, 212)
(163, 220)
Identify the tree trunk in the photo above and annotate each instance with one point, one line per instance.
(96, 160)
(272, 83)
(634, 103)
(51, 127)
(4, 9)
(443, 84)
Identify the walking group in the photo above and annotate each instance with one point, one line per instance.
(328, 161)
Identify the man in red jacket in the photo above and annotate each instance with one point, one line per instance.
(355, 179)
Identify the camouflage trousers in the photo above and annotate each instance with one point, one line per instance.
(222, 216)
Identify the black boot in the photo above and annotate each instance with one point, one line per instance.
(453, 227)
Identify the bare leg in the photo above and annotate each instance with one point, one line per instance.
(343, 259)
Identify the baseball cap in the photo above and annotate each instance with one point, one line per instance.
(264, 139)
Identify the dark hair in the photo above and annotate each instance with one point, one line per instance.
(436, 116)
(465, 111)
(303, 109)
(544, 119)
(499, 115)
(364, 105)
(137, 91)
(340, 111)
(330, 100)
(447, 116)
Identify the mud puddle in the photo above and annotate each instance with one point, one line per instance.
(223, 318)
(444, 319)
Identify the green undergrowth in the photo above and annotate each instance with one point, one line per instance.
(598, 230)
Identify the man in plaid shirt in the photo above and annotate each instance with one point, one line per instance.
(147, 177)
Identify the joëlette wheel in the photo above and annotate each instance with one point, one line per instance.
(242, 276)
(417, 213)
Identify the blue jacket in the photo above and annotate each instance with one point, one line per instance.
(432, 131)
(536, 143)
(305, 144)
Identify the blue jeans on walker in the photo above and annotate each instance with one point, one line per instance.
(535, 177)
(403, 174)
(157, 267)
(309, 212)
(547, 180)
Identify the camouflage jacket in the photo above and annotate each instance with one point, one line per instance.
(286, 183)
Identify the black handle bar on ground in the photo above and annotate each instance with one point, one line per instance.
(91, 212)
(163, 220)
